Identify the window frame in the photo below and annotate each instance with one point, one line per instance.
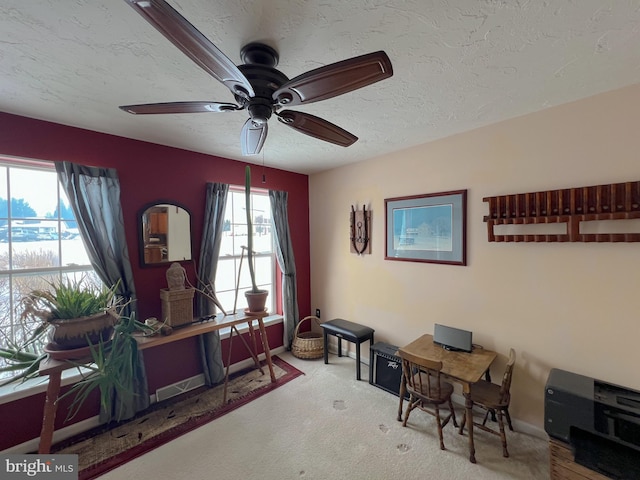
(12, 327)
(236, 191)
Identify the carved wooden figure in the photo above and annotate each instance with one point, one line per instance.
(360, 231)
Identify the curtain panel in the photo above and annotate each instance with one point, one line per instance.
(94, 195)
(286, 262)
(210, 351)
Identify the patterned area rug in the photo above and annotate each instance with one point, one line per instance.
(103, 449)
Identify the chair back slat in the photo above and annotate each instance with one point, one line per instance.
(422, 375)
(423, 362)
(505, 387)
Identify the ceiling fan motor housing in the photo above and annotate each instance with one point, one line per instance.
(256, 53)
(265, 81)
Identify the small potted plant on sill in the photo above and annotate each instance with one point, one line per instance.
(256, 297)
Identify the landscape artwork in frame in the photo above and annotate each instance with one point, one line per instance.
(427, 228)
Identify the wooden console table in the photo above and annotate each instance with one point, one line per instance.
(54, 368)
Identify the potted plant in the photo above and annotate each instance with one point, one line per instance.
(78, 312)
(83, 325)
(256, 297)
(112, 369)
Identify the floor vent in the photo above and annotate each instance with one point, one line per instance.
(179, 387)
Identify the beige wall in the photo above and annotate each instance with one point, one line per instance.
(572, 306)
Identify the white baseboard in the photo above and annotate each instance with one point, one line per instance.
(518, 426)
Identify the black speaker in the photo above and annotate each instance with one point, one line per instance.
(387, 368)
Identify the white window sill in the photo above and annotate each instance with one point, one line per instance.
(16, 391)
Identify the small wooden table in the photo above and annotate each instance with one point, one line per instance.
(54, 368)
(461, 367)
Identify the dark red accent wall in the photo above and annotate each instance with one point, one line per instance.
(149, 172)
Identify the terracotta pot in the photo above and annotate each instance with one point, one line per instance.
(256, 301)
(73, 333)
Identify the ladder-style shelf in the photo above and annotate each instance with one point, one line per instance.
(618, 201)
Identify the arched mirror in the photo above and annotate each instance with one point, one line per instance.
(165, 233)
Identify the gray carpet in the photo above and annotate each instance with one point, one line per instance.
(326, 425)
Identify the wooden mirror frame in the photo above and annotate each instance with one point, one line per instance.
(151, 252)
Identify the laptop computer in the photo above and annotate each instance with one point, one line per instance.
(452, 338)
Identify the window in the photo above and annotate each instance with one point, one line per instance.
(233, 257)
(39, 240)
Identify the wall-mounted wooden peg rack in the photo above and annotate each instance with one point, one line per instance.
(618, 201)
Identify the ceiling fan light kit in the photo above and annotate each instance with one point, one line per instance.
(256, 84)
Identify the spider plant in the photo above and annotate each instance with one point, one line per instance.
(22, 360)
(112, 370)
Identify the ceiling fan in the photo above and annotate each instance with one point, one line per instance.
(256, 85)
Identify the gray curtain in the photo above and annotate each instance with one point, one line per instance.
(210, 351)
(286, 261)
(94, 195)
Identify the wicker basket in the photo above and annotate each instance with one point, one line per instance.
(307, 345)
(177, 306)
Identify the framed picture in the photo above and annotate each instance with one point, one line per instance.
(427, 228)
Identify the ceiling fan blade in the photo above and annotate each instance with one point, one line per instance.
(252, 137)
(193, 43)
(180, 107)
(335, 79)
(317, 127)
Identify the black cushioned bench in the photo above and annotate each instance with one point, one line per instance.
(351, 332)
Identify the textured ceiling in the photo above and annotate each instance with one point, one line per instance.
(458, 65)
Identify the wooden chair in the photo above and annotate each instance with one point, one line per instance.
(495, 400)
(426, 389)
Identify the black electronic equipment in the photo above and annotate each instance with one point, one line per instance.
(600, 421)
(452, 338)
(386, 368)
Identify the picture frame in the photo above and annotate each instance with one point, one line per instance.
(427, 228)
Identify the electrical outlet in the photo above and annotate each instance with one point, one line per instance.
(318, 312)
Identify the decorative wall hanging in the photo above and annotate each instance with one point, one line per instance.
(427, 228)
(360, 231)
(570, 206)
